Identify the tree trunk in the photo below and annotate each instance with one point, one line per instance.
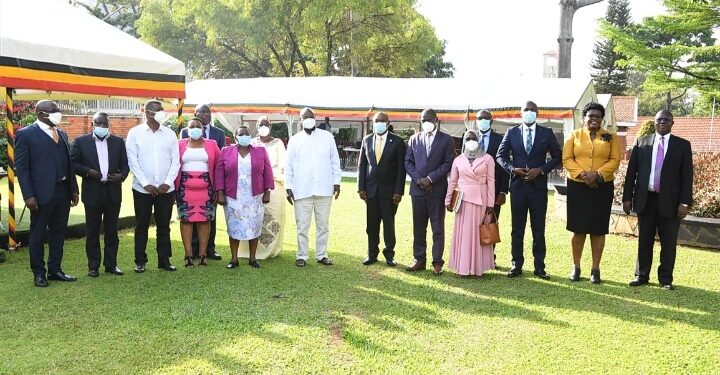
(328, 38)
(565, 39)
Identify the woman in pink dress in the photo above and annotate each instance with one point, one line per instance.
(195, 189)
(473, 173)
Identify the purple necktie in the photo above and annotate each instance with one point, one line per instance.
(659, 158)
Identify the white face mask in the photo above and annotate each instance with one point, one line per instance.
(308, 123)
(263, 131)
(160, 117)
(471, 145)
(428, 126)
(55, 118)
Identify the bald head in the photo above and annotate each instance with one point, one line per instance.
(101, 119)
(530, 106)
(203, 113)
(307, 112)
(44, 108)
(381, 117)
(428, 115)
(663, 122)
(484, 115)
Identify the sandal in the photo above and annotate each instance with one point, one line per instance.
(189, 262)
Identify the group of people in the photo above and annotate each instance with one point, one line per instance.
(251, 177)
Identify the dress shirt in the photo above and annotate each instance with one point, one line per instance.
(656, 143)
(428, 140)
(313, 164)
(153, 156)
(485, 140)
(47, 129)
(379, 145)
(101, 146)
(525, 129)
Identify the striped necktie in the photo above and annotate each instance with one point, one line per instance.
(528, 141)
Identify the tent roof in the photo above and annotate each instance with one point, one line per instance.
(51, 45)
(355, 97)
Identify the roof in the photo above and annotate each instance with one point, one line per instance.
(81, 55)
(697, 130)
(625, 109)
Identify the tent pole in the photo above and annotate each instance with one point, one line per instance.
(181, 102)
(10, 131)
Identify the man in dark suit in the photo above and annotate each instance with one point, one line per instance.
(381, 184)
(99, 158)
(428, 160)
(490, 143)
(47, 181)
(523, 153)
(658, 187)
(203, 112)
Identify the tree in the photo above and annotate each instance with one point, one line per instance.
(264, 38)
(119, 13)
(675, 51)
(565, 39)
(609, 77)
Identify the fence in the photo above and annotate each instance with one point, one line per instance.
(112, 107)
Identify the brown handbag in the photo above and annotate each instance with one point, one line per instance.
(489, 231)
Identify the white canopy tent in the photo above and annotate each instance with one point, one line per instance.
(349, 101)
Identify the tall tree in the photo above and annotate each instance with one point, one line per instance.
(609, 77)
(263, 38)
(675, 51)
(565, 39)
(119, 13)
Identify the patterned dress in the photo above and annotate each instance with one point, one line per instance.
(195, 193)
(244, 214)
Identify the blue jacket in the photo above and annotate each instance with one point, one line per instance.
(511, 154)
(436, 165)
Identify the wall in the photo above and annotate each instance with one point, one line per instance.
(76, 126)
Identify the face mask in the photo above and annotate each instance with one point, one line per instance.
(195, 133)
(428, 126)
(471, 145)
(529, 117)
(263, 131)
(160, 117)
(243, 140)
(380, 127)
(55, 118)
(100, 132)
(483, 125)
(308, 123)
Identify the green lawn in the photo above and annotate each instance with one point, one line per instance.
(349, 318)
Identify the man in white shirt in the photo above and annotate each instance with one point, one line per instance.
(154, 159)
(310, 185)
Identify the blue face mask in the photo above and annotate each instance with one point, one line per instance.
(380, 127)
(483, 125)
(243, 140)
(195, 133)
(529, 117)
(100, 132)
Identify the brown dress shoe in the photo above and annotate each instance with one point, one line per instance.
(437, 270)
(417, 266)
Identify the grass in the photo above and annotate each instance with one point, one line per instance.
(349, 318)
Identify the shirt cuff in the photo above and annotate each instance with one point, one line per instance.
(431, 181)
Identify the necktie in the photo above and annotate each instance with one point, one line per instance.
(482, 142)
(528, 141)
(55, 135)
(428, 143)
(378, 148)
(205, 135)
(659, 159)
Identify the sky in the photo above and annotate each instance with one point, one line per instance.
(509, 37)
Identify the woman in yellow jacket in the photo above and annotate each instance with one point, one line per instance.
(591, 156)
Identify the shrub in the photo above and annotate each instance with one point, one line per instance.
(706, 184)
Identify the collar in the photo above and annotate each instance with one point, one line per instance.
(43, 125)
(434, 132)
(531, 127)
(383, 136)
(95, 137)
(147, 127)
(666, 136)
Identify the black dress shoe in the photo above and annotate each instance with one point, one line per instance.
(61, 276)
(667, 286)
(391, 262)
(595, 276)
(214, 256)
(369, 261)
(300, 262)
(232, 265)
(254, 264)
(541, 274)
(575, 274)
(139, 268)
(93, 273)
(514, 272)
(638, 281)
(325, 261)
(168, 267)
(41, 281)
(114, 271)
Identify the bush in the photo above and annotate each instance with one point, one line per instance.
(706, 184)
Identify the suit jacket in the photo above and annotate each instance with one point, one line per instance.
(513, 144)
(85, 157)
(216, 135)
(676, 177)
(385, 178)
(35, 164)
(502, 178)
(213, 153)
(226, 173)
(435, 165)
(476, 180)
(581, 154)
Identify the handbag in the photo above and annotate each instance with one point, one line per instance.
(490, 231)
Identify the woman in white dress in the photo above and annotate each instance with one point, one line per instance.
(271, 238)
(244, 180)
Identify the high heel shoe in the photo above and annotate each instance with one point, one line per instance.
(232, 264)
(254, 264)
(575, 274)
(202, 261)
(595, 276)
(189, 262)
